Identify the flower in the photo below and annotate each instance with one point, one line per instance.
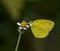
(23, 25)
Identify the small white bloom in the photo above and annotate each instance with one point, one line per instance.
(23, 25)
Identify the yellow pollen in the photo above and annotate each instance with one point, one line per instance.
(23, 24)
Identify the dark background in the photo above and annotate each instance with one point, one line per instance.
(46, 9)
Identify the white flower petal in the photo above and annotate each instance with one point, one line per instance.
(27, 26)
(20, 28)
(18, 24)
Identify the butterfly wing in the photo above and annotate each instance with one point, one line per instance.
(41, 28)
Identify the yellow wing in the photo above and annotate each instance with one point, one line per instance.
(41, 28)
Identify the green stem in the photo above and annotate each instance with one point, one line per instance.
(18, 41)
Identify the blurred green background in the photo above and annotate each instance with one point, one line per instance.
(12, 11)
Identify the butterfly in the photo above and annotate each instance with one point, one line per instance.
(41, 27)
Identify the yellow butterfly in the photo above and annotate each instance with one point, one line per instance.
(41, 28)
